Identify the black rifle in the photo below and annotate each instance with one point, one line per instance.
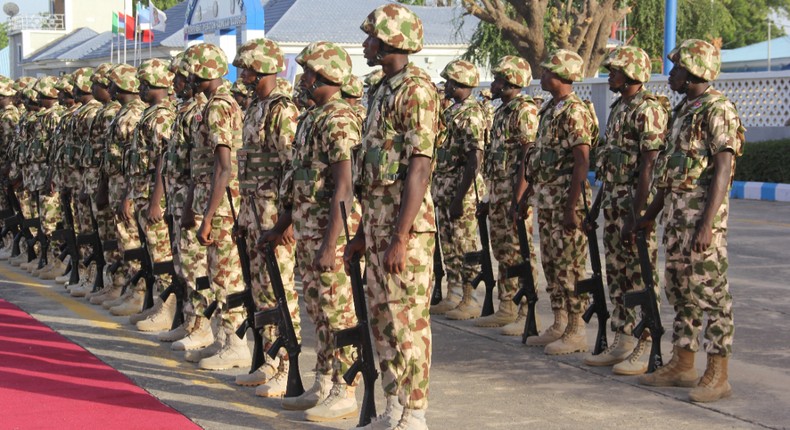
(647, 301)
(281, 316)
(13, 224)
(438, 267)
(146, 271)
(594, 285)
(69, 238)
(483, 258)
(40, 236)
(528, 287)
(93, 240)
(359, 336)
(244, 298)
(177, 285)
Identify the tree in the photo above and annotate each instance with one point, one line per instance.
(536, 27)
(3, 35)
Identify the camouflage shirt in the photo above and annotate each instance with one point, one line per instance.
(140, 159)
(402, 122)
(41, 140)
(64, 174)
(220, 124)
(514, 124)
(175, 170)
(564, 124)
(324, 137)
(467, 131)
(94, 145)
(122, 131)
(9, 118)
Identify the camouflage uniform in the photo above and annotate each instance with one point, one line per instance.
(635, 126)
(9, 118)
(41, 141)
(269, 129)
(220, 123)
(402, 123)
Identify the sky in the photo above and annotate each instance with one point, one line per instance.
(27, 7)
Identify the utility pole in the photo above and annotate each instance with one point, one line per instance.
(670, 31)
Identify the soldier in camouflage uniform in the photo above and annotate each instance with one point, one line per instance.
(398, 224)
(284, 87)
(242, 94)
(269, 129)
(143, 170)
(96, 184)
(514, 127)
(634, 135)
(705, 136)
(213, 169)
(352, 92)
(125, 88)
(458, 161)
(320, 178)
(189, 257)
(9, 118)
(557, 168)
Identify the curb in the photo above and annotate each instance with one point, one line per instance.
(764, 191)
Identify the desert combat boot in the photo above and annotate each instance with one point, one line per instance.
(234, 353)
(617, 351)
(636, 363)
(505, 315)
(573, 340)
(469, 307)
(714, 384)
(679, 372)
(552, 333)
(312, 397)
(341, 403)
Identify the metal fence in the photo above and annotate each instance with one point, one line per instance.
(44, 21)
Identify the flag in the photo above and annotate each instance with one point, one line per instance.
(121, 21)
(148, 36)
(129, 27)
(157, 17)
(143, 17)
(114, 23)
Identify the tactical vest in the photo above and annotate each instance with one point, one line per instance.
(503, 155)
(176, 157)
(451, 158)
(201, 158)
(261, 164)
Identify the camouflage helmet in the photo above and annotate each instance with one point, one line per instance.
(81, 79)
(284, 87)
(699, 57)
(566, 64)
(124, 77)
(515, 70)
(352, 87)
(102, 74)
(462, 72)
(6, 87)
(373, 78)
(486, 94)
(327, 59)
(175, 65)
(633, 61)
(206, 61)
(30, 94)
(24, 82)
(395, 25)
(156, 73)
(239, 88)
(65, 84)
(260, 55)
(46, 87)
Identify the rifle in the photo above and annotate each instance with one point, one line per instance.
(594, 285)
(280, 315)
(13, 223)
(483, 258)
(438, 267)
(146, 271)
(97, 250)
(177, 285)
(528, 288)
(40, 237)
(359, 336)
(647, 301)
(244, 298)
(67, 235)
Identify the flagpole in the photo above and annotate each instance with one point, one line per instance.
(124, 30)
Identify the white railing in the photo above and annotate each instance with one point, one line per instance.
(45, 21)
(762, 98)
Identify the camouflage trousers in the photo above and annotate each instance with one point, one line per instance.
(157, 240)
(286, 260)
(107, 231)
(330, 305)
(504, 238)
(623, 272)
(224, 271)
(49, 211)
(128, 236)
(190, 262)
(26, 203)
(563, 256)
(457, 237)
(696, 283)
(398, 307)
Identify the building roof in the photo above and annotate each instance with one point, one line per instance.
(61, 45)
(295, 21)
(5, 65)
(780, 49)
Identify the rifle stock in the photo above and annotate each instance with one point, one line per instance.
(528, 289)
(483, 258)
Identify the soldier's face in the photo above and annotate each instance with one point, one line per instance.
(179, 84)
(449, 89)
(497, 86)
(370, 50)
(548, 80)
(307, 81)
(113, 91)
(248, 76)
(144, 91)
(617, 80)
(677, 79)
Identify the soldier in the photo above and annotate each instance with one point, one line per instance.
(213, 169)
(485, 99)
(189, 257)
(125, 88)
(319, 180)
(96, 185)
(514, 127)
(269, 129)
(284, 87)
(705, 136)
(21, 169)
(458, 162)
(143, 170)
(634, 135)
(242, 94)
(557, 171)
(398, 225)
(352, 92)
(9, 118)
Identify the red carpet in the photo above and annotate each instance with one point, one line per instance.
(48, 382)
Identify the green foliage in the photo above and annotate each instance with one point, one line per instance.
(767, 161)
(488, 46)
(3, 35)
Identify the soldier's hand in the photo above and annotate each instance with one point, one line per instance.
(588, 226)
(324, 259)
(456, 208)
(703, 236)
(83, 197)
(482, 209)
(268, 236)
(188, 218)
(204, 234)
(287, 238)
(154, 214)
(570, 221)
(353, 247)
(395, 255)
(125, 210)
(644, 224)
(627, 235)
